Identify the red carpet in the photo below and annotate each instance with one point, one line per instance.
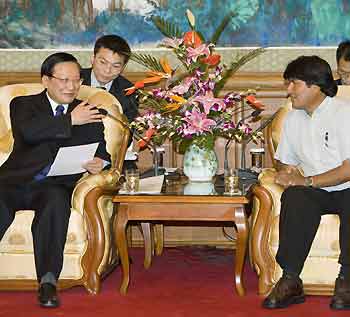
(181, 282)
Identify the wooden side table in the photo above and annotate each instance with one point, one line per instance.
(175, 206)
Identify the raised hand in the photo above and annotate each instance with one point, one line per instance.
(85, 113)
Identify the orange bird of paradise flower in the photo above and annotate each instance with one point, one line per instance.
(179, 101)
(254, 103)
(143, 142)
(154, 77)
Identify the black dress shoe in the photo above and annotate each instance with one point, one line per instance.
(287, 291)
(341, 297)
(48, 296)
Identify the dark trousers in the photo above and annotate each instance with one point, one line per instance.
(301, 211)
(51, 203)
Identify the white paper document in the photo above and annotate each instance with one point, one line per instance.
(149, 185)
(70, 159)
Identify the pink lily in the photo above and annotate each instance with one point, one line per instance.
(194, 53)
(172, 42)
(184, 87)
(197, 122)
(208, 101)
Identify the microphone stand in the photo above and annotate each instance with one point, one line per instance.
(243, 172)
(156, 171)
(253, 114)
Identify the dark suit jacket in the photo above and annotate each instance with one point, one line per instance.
(38, 135)
(128, 103)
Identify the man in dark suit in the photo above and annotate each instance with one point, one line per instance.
(111, 54)
(343, 63)
(41, 124)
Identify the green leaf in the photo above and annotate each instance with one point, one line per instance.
(183, 145)
(167, 28)
(222, 26)
(235, 66)
(147, 61)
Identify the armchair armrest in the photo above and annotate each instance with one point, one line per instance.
(93, 196)
(267, 181)
(266, 207)
(106, 178)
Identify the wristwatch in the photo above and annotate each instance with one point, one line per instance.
(309, 181)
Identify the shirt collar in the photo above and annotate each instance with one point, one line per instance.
(324, 106)
(54, 104)
(96, 83)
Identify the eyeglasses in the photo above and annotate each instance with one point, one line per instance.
(104, 63)
(65, 81)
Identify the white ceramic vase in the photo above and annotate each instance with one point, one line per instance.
(200, 164)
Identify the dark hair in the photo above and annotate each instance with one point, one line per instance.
(114, 43)
(343, 51)
(313, 70)
(51, 61)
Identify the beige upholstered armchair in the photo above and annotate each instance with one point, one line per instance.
(88, 252)
(321, 267)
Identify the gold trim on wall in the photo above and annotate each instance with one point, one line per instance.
(274, 59)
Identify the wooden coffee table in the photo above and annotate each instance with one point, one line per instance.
(173, 205)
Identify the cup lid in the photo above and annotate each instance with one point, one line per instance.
(257, 150)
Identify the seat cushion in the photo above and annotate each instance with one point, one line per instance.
(18, 237)
(324, 253)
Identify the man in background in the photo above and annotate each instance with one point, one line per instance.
(343, 63)
(41, 124)
(111, 54)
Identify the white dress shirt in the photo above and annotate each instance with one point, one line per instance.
(96, 83)
(317, 143)
(54, 105)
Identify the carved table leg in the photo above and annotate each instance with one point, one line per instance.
(242, 235)
(148, 243)
(120, 239)
(159, 238)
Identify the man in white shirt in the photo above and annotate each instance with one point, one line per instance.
(315, 139)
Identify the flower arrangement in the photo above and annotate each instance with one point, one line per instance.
(186, 108)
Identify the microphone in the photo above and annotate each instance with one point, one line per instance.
(138, 136)
(253, 114)
(243, 172)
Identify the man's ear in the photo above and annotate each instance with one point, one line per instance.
(44, 80)
(315, 87)
(92, 59)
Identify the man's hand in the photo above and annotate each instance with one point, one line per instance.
(84, 113)
(289, 176)
(94, 166)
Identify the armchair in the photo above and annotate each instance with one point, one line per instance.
(321, 267)
(89, 251)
